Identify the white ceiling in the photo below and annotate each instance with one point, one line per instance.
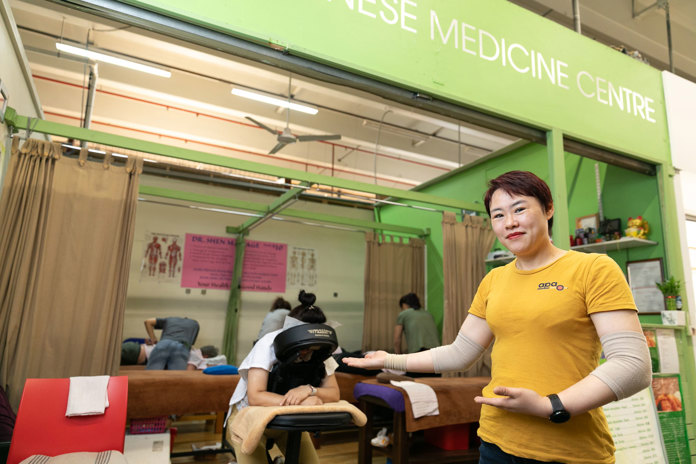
(195, 107)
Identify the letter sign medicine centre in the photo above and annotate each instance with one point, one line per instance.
(487, 54)
(484, 45)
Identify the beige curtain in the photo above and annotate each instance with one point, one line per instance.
(65, 247)
(465, 246)
(392, 269)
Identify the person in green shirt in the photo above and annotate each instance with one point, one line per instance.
(416, 324)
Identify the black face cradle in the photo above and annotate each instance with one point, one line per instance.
(301, 352)
(320, 338)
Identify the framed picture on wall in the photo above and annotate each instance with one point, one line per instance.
(586, 222)
(642, 277)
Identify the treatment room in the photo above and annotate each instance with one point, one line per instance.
(245, 244)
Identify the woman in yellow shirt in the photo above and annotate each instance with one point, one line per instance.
(551, 312)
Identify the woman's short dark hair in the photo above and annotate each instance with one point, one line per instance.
(521, 183)
(209, 351)
(306, 311)
(410, 299)
(280, 303)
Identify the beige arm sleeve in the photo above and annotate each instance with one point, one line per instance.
(458, 356)
(628, 368)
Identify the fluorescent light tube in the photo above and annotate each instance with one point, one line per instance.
(93, 150)
(96, 56)
(274, 101)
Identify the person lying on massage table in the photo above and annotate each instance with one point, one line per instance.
(134, 353)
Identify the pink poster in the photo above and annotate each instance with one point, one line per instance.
(265, 267)
(209, 263)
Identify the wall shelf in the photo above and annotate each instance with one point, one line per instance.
(614, 245)
(503, 260)
(662, 326)
(600, 247)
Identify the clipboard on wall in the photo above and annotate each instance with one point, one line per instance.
(642, 277)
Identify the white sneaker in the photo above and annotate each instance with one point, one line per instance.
(382, 439)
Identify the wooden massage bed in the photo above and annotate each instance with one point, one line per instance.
(163, 393)
(195, 395)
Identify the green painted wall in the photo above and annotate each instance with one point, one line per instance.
(627, 194)
(624, 193)
(469, 184)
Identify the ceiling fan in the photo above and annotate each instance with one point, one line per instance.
(286, 137)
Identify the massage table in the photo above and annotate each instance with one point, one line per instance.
(346, 384)
(163, 393)
(154, 393)
(456, 405)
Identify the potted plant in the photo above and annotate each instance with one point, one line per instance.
(670, 289)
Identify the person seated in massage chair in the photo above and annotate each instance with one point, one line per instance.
(252, 387)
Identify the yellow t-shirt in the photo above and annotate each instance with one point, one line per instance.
(545, 341)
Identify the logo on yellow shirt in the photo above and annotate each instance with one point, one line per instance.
(548, 285)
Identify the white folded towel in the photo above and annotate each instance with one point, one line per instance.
(88, 395)
(422, 396)
(216, 360)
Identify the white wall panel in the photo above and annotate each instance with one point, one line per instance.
(341, 263)
(680, 101)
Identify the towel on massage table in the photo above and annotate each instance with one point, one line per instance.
(248, 425)
(421, 396)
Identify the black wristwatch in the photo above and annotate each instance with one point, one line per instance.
(559, 414)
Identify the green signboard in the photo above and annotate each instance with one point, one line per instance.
(491, 55)
(667, 391)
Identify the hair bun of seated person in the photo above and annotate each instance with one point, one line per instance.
(307, 299)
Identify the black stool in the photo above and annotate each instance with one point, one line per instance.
(295, 424)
